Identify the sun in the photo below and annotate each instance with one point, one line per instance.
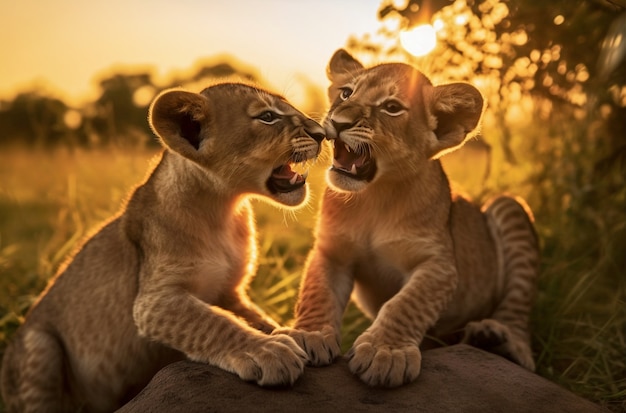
(420, 40)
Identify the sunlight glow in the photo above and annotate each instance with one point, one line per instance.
(420, 40)
(72, 119)
(461, 19)
(144, 95)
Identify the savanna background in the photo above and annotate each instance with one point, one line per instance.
(553, 75)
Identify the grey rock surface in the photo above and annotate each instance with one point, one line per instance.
(454, 379)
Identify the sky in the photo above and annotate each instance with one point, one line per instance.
(65, 46)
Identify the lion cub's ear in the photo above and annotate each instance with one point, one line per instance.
(178, 117)
(342, 63)
(456, 109)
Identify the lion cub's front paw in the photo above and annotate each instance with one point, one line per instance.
(380, 364)
(495, 337)
(276, 360)
(322, 347)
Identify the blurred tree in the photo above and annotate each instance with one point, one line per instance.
(116, 114)
(34, 119)
(221, 70)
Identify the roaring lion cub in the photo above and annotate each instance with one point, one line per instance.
(166, 278)
(418, 258)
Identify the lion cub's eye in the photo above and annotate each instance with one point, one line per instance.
(345, 93)
(392, 108)
(269, 117)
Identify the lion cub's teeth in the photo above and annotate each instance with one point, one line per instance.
(353, 169)
(305, 175)
(293, 179)
(347, 147)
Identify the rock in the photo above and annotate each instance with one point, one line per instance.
(453, 379)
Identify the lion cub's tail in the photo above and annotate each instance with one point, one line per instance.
(511, 223)
(32, 377)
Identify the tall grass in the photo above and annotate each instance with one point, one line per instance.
(49, 201)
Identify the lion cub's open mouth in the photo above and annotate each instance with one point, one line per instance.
(357, 164)
(285, 179)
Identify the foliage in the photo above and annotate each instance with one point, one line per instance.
(34, 119)
(520, 54)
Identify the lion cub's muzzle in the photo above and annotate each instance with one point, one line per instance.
(284, 179)
(352, 152)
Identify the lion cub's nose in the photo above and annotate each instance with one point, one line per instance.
(341, 126)
(315, 131)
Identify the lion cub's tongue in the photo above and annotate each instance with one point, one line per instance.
(345, 159)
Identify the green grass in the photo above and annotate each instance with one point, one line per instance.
(49, 201)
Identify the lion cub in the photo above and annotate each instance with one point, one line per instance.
(166, 278)
(418, 258)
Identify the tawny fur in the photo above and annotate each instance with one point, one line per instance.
(416, 257)
(166, 278)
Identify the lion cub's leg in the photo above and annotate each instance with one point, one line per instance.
(241, 306)
(507, 331)
(323, 297)
(32, 377)
(213, 335)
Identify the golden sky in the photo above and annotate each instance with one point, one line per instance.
(65, 45)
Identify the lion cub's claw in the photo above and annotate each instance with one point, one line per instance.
(277, 361)
(321, 347)
(493, 336)
(379, 364)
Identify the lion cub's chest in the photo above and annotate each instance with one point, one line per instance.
(224, 260)
(380, 250)
(379, 273)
